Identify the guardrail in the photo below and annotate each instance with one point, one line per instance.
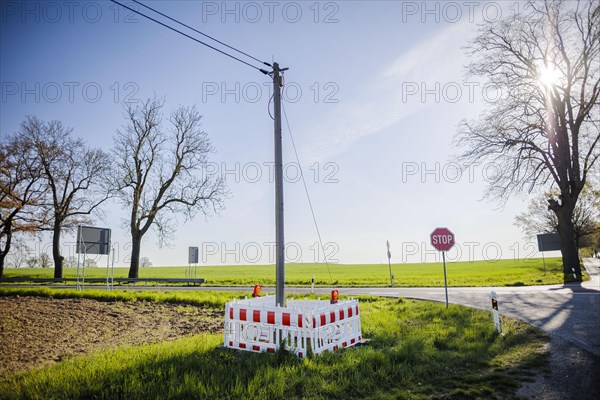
(304, 326)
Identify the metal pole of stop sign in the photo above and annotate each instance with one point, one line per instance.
(445, 280)
(443, 240)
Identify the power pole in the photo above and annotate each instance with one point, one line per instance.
(279, 239)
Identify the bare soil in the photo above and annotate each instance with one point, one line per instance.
(37, 331)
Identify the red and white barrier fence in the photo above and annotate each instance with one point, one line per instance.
(304, 325)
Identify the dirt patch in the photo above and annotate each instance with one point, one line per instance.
(36, 331)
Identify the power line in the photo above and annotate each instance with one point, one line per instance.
(287, 122)
(188, 36)
(201, 33)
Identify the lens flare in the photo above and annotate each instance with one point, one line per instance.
(548, 76)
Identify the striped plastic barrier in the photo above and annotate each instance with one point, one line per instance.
(335, 326)
(304, 325)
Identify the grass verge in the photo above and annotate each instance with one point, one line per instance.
(417, 350)
(523, 272)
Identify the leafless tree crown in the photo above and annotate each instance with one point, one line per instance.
(538, 133)
(159, 170)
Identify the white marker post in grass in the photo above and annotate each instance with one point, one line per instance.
(495, 312)
(389, 254)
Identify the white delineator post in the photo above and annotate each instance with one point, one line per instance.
(495, 312)
(389, 255)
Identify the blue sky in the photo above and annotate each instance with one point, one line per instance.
(374, 93)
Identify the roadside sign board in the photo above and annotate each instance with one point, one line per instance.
(548, 241)
(91, 240)
(192, 255)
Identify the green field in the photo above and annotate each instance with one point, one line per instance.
(476, 273)
(416, 350)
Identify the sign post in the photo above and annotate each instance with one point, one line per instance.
(389, 254)
(92, 240)
(443, 240)
(547, 242)
(191, 271)
(445, 279)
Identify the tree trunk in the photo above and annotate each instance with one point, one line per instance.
(58, 259)
(6, 249)
(136, 246)
(568, 245)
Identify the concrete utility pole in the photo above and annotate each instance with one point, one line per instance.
(279, 239)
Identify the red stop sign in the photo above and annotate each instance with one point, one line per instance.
(442, 239)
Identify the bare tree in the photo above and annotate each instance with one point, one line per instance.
(540, 219)
(75, 176)
(41, 261)
(19, 252)
(44, 261)
(156, 172)
(32, 262)
(90, 263)
(544, 128)
(21, 189)
(70, 262)
(145, 262)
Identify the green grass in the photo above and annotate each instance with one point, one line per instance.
(417, 350)
(476, 273)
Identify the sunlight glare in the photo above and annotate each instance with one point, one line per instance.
(548, 76)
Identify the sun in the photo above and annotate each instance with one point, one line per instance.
(548, 75)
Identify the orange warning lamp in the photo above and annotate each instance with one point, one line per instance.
(256, 291)
(335, 296)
